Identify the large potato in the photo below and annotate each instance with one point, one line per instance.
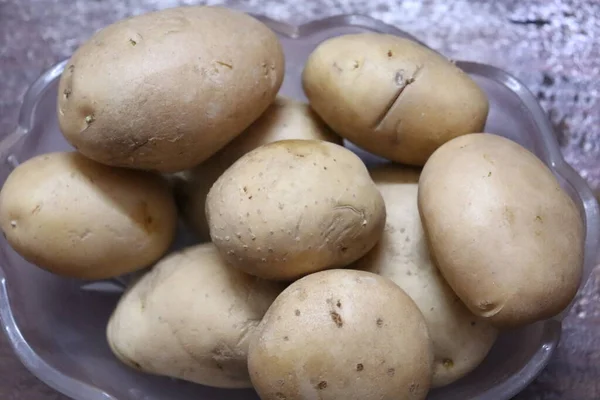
(506, 236)
(191, 318)
(460, 339)
(166, 90)
(392, 96)
(75, 217)
(293, 207)
(284, 119)
(341, 334)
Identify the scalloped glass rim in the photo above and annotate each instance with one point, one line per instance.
(551, 155)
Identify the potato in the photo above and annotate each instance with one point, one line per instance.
(293, 207)
(460, 340)
(191, 318)
(284, 119)
(77, 218)
(166, 90)
(506, 236)
(341, 334)
(392, 96)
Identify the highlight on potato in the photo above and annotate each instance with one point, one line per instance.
(313, 273)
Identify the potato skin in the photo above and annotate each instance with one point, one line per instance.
(460, 339)
(77, 218)
(284, 119)
(293, 207)
(392, 96)
(341, 334)
(166, 90)
(191, 318)
(506, 236)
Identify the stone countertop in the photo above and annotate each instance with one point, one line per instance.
(551, 45)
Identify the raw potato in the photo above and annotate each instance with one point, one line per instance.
(166, 90)
(284, 119)
(293, 207)
(460, 340)
(392, 96)
(75, 217)
(506, 236)
(191, 318)
(341, 334)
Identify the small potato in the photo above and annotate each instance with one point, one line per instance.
(284, 119)
(341, 334)
(505, 235)
(293, 207)
(392, 96)
(166, 90)
(460, 340)
(77, 218)
(191, 318)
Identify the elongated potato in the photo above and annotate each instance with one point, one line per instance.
(166, 90)
(191, 317)
(293, 207)
(460, 339)
(284, 119)
(392, 96)
(341, 334)
(75, 217)
(506, 236)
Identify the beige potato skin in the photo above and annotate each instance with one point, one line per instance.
(78, 218)
(166, 90)
(284, 119)
(341, 334)
(460, 340)
(191, 318)
(506, 236)
(392, 96)
(293, 207)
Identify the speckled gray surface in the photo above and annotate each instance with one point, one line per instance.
(553, 46)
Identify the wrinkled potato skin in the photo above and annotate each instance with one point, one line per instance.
(166, 90)
(293, 207)
(191, 318)
(392, 96)
(460, 340)
(341, 334)
(284, 119)
(77, 218)
(506, 236)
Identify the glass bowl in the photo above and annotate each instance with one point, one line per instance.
(57, 326)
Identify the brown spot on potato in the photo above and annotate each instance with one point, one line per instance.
(473, 323)
(36, 209)
(489, 174)
(389, 53)
(413, 387)
(322, 385)
(448, 363)
(133, 42)
(337, 319)
(339, 304)
(280, 396)
(227, 65)
(379, 322)
(297, 313)
(391, 372)
(286, 338)
(538, 218)
(67, 92)
(359, 367)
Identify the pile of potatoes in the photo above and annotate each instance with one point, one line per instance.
(314, 275)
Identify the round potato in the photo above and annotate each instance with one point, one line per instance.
(392, 96)
(506, 236)
(341, 334)
(284, 119)
(293, 207)
(460, 340)
(75, 217)
(191, 318)
(166, 90)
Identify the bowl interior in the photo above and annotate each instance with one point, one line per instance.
(58, 325)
